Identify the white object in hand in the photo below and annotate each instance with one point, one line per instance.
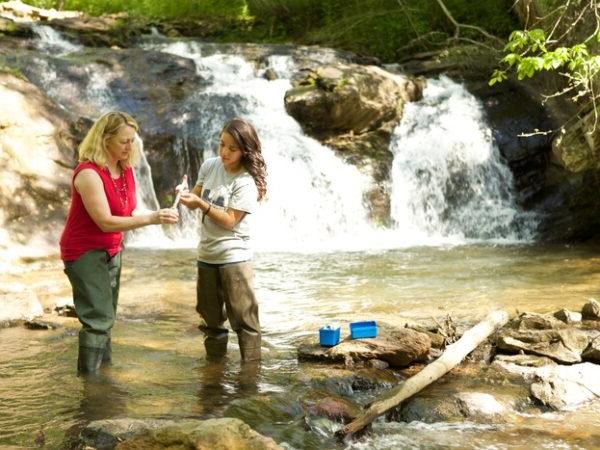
(180, 188)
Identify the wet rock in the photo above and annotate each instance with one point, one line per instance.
(473, 406)
(592, 353)
(568, 317)
(270, 75)
(563, 346)
(526, 360)
(591, 310)
(480, 407)
(19, 306)
(129, 434)
(430, 410)
(560, 387)
(398, 348)
(534, 321)
(377, 364)
(335, 408)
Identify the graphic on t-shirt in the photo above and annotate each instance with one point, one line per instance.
(219, 201)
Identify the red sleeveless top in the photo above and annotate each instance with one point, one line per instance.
(81, 233)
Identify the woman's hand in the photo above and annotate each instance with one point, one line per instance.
(192, 201)
(165, 216)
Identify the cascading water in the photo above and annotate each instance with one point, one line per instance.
(315, 199)
(448, 181)
(51, 41)
(98, 100)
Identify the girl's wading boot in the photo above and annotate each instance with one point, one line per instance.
(216, 346)
(89, 360)
(249, 346)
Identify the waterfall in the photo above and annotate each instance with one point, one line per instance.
(51, 41)
(448, 181)
(314, 199)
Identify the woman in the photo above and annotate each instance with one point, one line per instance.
(103, 204)
(227, 191)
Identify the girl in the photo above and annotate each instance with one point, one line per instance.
(228, 189)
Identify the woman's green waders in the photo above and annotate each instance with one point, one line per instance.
(95, 278)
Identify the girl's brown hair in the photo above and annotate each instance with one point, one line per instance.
(246, 138)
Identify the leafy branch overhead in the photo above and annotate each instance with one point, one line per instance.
(565, 41)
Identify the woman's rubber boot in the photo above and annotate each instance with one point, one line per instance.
(89, 360)
(107, 356)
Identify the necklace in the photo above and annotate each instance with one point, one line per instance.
(121, 190)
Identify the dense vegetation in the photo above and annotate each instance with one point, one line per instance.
(388, 29)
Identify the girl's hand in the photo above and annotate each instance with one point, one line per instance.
(192, 201)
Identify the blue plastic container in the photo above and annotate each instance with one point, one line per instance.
(359, 330)
(329, 336)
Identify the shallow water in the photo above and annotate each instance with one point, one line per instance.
(159, 369)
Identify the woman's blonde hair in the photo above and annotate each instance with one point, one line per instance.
(93, 146)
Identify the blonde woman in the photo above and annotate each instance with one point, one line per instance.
(103, 206)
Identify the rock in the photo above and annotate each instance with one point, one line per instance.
(568, 317)
(19, 306)
(377, 364)
(214, 434)
(592, 353)
(270, 74)
(559, 387)
(568, 386)
(564, 346)
(430, 410)
(534, 321)
(591, 310)
(335, 408)
(38, 150)
(472, 406)
(480, 407)
(526, 360)
(399, 348)
(346, 98)
(576, 148)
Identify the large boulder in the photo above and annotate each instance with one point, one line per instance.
(560, 387)
(90, 82)
(353, 109)
(37, 152)
(347, 98)
(213, 434)
(563, 346)
(399, 348)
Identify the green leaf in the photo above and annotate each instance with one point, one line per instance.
(511, 59)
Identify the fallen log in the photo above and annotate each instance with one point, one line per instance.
(451, 357)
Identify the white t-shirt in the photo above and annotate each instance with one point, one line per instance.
(223, 190)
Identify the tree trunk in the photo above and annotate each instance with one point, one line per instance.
(451, 357)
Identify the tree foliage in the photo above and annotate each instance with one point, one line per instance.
(564, 39)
